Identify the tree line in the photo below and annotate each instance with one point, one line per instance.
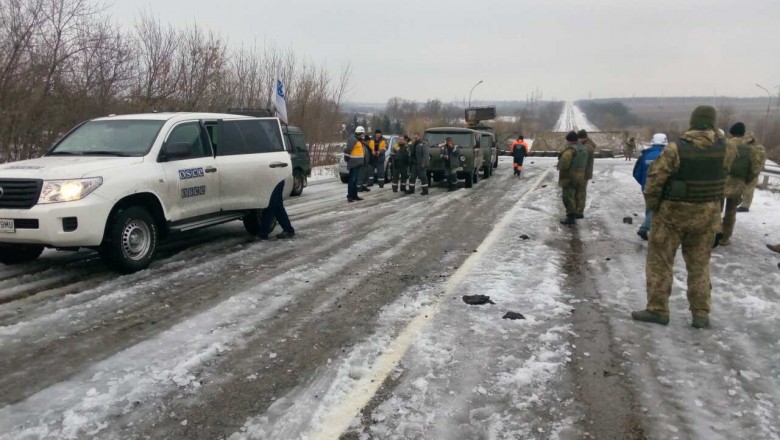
(66, 61)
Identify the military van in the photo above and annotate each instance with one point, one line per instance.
(487, 145)
(474, 120)
(471, 157)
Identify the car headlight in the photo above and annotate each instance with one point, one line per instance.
(463, 158)
(56, 191)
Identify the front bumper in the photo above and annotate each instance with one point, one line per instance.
(91, 214)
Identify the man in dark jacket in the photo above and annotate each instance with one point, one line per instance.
(640, 174)
(450, 153)
(419, 160)
(399, 158)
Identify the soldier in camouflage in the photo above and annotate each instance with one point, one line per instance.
(571, 176)
(745, 169)
(685, 187)
(583, 138)
(747, 197)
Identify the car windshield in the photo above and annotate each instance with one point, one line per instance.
(462, 139)
(110, 138)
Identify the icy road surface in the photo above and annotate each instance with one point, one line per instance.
(572, 118)
(356, 327)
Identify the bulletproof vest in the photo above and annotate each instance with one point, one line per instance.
(700, 178)
(741, 166)
(580, 160)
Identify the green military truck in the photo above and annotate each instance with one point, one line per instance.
(294, 143)
(474, 117)
(471, 156)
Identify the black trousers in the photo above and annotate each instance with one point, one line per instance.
(276, 210)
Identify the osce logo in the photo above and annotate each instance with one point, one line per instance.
(193, 192)
(191, 173)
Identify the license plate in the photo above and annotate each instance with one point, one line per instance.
(7, 225)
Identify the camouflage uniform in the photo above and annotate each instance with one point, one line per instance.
(690, 224)
(571, 177)
(583, 193)
(746, 168)
(747, 196)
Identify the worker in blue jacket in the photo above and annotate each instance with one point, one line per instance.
(641, 168)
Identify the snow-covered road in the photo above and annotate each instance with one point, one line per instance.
(357, 325)
(572, 118)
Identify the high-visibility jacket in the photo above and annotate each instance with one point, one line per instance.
(513, 149)
(379, 147)
(354, 153)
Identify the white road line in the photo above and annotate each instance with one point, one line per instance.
(367, 386)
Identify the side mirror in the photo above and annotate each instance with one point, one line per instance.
(177, 150)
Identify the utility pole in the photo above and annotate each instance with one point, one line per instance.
(768, 106)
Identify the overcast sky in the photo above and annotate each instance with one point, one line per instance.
(568, 49)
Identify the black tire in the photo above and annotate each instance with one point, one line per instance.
(253, 220)
(11, 254)
(298, 182)
(344, 179)
(475, 177)
(486, 171)
(495, 164)
(468, 182)
(131, 241)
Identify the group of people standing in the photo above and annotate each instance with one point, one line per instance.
(687, 185)
(365, 157)
(575, 170)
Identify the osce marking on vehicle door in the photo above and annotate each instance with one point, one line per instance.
(191, 173)
(194, 191)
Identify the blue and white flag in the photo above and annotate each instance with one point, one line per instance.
(280, 94)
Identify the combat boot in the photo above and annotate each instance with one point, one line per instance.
(648, 316)
(700, 322)
(743, 209)
(580, 216)
(424, 191)
(643, 234)
(395, 188)
(403, 187)
(571, 219)
(410, 190)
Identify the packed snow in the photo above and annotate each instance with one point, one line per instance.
(572, 118)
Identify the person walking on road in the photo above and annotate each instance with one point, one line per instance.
(275, 210)
(450, 153)
(630, 148)
(419, 160)
(571, 176)
(746, 168)
(399, 160)
(641, 168)
(584, 139)
(685, 188)
(355, 156)
(378, 146)
(518, 149)
(750, 189)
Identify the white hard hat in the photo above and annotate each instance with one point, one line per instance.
(722, 133)
(660, 139)
(360, 130)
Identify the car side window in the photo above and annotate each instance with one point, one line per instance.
(261, 136)
(231, 141)
(298, 142)
(190, 133)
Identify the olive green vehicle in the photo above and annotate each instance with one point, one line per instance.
(471, 156)
(488, 145)
(295, 143)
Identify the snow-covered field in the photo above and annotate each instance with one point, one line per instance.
(358, 326)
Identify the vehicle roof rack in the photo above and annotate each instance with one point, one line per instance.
(253, 112)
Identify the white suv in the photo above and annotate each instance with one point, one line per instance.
(120, 183)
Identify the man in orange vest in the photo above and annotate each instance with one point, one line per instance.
(518, 150)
